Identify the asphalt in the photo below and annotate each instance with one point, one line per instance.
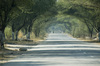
(59, 50)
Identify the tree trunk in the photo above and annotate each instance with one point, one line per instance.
(3, 34)
(99, 36)
(13, 38)
(1, 40)
(91, 32)
(25, 31)
(74, 32)
(13, 30)
(28, 36)
(29, 31)
(16, 35)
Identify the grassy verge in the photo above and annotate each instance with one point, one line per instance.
(6, 54)
(20, 42)
(90, 40)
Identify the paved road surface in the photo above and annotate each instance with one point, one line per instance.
(59, 50)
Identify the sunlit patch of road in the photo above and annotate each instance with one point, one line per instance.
(59, 50)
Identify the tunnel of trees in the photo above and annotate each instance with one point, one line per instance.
(37, 18)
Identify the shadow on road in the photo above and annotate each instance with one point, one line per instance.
(25, 63)
(68, 42)
(48, 52)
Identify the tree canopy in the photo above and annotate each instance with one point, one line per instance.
(80, 18)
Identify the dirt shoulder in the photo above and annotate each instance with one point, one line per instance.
(6, 54)
(90, 41)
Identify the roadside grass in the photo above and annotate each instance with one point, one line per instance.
(6, 54)
(89, 40)
(19, 42)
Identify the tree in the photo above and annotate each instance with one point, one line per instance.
(9, 9)
(5, 9)
(86, 10)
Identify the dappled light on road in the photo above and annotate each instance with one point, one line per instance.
(59, 53)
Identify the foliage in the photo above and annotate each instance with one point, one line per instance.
(80, 18)
(8, 32)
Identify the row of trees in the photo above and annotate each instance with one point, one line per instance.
(84, 17)
(21, 14)
(87, 11)
(77, 17)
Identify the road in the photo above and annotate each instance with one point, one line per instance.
(59, 50)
